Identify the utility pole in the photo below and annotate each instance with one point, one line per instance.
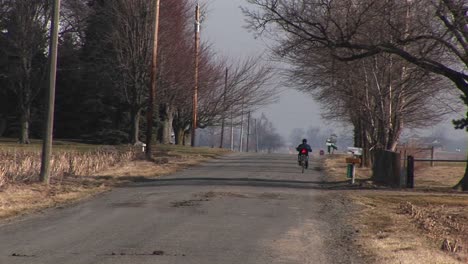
(224, 102)
(195, 87)
(248, 130)
(256, 136)
(152, 90)
(49, 127)
(242, 127)
(232, 131)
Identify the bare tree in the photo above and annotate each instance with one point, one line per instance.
(130, 38)
(24, 38)
(248, 87)
(427, 29)
(74, 18)
(268, 139)
(429, 34)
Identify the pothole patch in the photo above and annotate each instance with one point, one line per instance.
(153, 253)
(128, 205)
(22, 255)
(188, 203)
(208, 196)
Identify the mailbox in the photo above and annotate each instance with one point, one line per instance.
(355, 151)
(353, 160)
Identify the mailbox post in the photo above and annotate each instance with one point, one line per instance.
(352, 161)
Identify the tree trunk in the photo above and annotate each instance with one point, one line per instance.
(165, 134)
(463, 184)
(135, 114)
(179, 135)
(366, 153)
(357, 135)
(187, 138)
(25, 119)
(168, 118)
(3, 125)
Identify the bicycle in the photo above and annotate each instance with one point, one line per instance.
(303, 160)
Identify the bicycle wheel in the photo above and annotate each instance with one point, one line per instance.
(303, 163)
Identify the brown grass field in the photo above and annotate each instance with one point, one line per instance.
(425, 225)
(81, 172)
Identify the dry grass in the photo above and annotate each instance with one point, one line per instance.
(24, 166)
(80, 174)
(19, 199)
(335, 168)
(168, 159)
(445, 176)
(410, 227)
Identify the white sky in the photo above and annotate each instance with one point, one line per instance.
(224, 28)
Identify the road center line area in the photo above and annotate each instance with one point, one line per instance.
(240, 208)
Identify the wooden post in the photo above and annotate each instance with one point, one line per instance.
(241, 137)
(195, 86)
(153, 84)
(232, 132)
(221, 143)
(248, 131)
(49, 126)
(256, 136)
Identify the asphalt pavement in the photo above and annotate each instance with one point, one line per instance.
(241, 208)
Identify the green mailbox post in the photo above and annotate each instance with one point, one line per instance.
(350, 171)
(352, 161)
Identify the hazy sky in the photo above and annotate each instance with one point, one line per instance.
(224, 28)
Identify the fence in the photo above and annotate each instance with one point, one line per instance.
(439, 178)
(417, 152)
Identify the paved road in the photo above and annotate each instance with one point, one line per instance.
(241, 209)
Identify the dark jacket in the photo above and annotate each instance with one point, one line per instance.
(304, 146)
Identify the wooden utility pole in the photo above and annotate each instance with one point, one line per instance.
(248, 131)
(256, 136)
(152, 90)
(195, 86)
(49, 126)
(224, 116)
(232, 131)
(241, 138)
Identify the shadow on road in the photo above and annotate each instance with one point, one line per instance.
(142, 182)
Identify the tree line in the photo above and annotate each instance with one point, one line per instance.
(381, 66)
(103, 72)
